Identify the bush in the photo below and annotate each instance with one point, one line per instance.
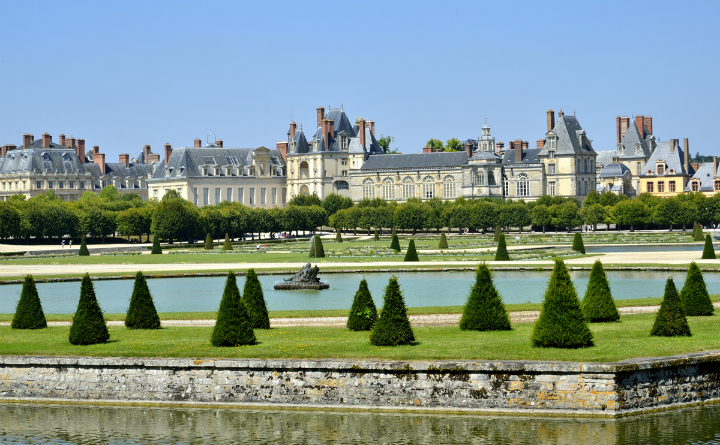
(708, 251)
(443, 241)
(698, 233)
(670, 320)
(83, 248)
(395, 243)
(377, 236)
(316, 247)
(498, 232)
(578, 245)
(254, 301)
(156, 250)
(233, 326)
(598, 304)
(501, 254)
(208, 242)
(393, 326)
(88, 324)
(141, 314)
(561, 323)
(227, 245)
(29, 313)
(363, 313)
(411, 253)
(484, 310)
(694, 296)
(338, 237)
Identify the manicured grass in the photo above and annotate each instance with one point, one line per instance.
(614, 341)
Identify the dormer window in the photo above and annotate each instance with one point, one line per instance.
(315, 145)
(204, 171)
(551, 142)
(292, 147)
(660, 169)
(695, 186)
(251, 171)
(344, 143)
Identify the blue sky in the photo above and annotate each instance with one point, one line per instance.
(124, 74)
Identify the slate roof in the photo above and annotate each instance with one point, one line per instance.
(341, 123)
(674, 160)
(301, 144)
(614, 170)
(704, 174)
(530, 156)
(631, 141)
(605, 157)
(186, 162)
(485, 155)
(570, 140)
(42, 160)
(415, 161)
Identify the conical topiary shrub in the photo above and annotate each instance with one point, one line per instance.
(698, 233)
(156, 250)
(377, 235)
(316, 247)
(88, 324)
(501, 253)
(83, 248)
(393, 327)
(142, 313)
(578, 245)
(484, 310)
(233, 326)
(254, 301)
(411, 253)
(338, 237)
(395, 243)
(443, 241)
(708, 251)
(29, 313)
(208, 242)
(598, 304)
(694, 296)
(227, 245)
(363, 313)
(561, 323)
(670, 320)
(498, 232)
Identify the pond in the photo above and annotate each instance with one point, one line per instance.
(202, 294)
(89, 425)
(645, 248)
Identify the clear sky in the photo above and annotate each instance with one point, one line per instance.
(128, 73)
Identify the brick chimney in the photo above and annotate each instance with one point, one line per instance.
(293, 128)
(371, 126)
(517, 145)
(624, 124)
(617, 125)
(686, 146)
(427, 149)
(499, 147)
(647, 121)
(219, 143)
(27, 140)
(560, 113)
(550, 119)
(47, 139)
(153, 157)
(320, 115)
(70, 143)
(146, 153)
(99, 158)
(282, 147)
(168, 153)
(198, 143)
(125, 159)
(469, 150)
(3, 151)
(80, 150)
(328, 131)
(96, 150)
(540, 143)
(525, 145)
(673, 142)
(61, 140)
(362, 123)
(714, 166)
(639, 120)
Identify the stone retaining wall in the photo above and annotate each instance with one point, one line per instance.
(528, 387)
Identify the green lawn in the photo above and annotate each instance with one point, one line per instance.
(614, 341)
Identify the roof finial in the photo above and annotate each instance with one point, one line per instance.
(341, 106)
(300, 127)
(485, 121)
(573, 111)
(291, 111)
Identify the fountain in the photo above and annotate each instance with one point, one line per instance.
(306, 278)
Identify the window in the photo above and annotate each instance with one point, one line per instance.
(368, 189)
(522, 185)
(480, 178)
(344, 162)
(60, 184)
(179, 190)
(344, 173)
(284, 195)
(304, 190)
(551, 188)
(240, 195)
(251, 196)
(428, 191)
(506, 186)
(695, 186)
(671, 186)
(449, 189)
(408, 188)
(273, 196)
(551, 169)
(388, 189)
(661, 186)
(638, 168)
(72, 184)
(717, 186)
(217, 195)
(228, 194)
(156, 192)
(551, 154)
(650, 188)
(206, 199)
(660, 169)
(195, 196)
(38, 185)
(551, 143)
(50, 184)
(262, 196)
(491, 178)
(304, 169)
(344, 142)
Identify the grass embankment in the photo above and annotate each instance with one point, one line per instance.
(615, 341)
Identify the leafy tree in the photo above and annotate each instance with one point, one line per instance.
(83, 248)
(208, 243)
(254, 301)
(384, 142)
(501, 253)
(10, 218)
(453, 144)
(598, 304)
(688, 213)
(593, 214)
(591, 198)
(578, 245)
(174, 219)
(435, 144)
(305, 201)
(393, 326)
(708, 250)
(540, 216)
(561, 323)
(395, 243)
(694, 295)
(97, 222)
(110, 193)
(134, 221)
(631, 212)
(88, 324)
(141, 313)
(484, 310)
(411, 253)
(484, 214)
(410, 216)
(514, 215)
(363, 313)
(443, 244)
(316, 247)
(567, 215)
(29, 313)
(335, 202)
(670, 320)
(227, 245)
(233, 326)
(156, 249)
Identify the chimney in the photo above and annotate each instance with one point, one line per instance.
(80, 150)
(560, 114)
(70, 143)
(146, 152)
(427, 149)
(550, 119)
(617, 124)
(46, 140)
(153, 157)
(96, 150)
(62, 140)
(371, 126)
(198, 143)
(3, 151)
(686, 146)
(293, 128)
(99, 158)
(647, 121)
(499, 147)
(320, 115)
(540, 143)
(624, 124)
(27, 140)
(125, 159)
(639, 120)
(468, 149)
(282, 146)
(219, 143)
(168, 152)
(714, 166)
(517, 145)
(362, 123)
(525, 145)
(672, 145)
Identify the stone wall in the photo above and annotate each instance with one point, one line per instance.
(589, 388)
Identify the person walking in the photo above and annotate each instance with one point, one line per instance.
(62, 244)
(70, 243)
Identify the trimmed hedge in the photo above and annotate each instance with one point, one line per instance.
(561, 323)
(338, 237)
(377, 236)
(698, 233)
(578, 245)
(498, 232)
(501, 253)
(227, 245)
(395, 243)
(233, 326)
(363, 313)
(670, 320)
(316, 247)
(156, 249)
(443, 241)
(598, 304)
(254, 301)
(708, 251)
(694, 295)
(29, 313)
(88, 324)
(411, 253)
(484, 310)
(393, 327)
(142, 313)
(83, 248)
(208, 242)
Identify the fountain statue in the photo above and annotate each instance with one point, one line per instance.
(306, 278)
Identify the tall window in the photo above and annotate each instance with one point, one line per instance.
(660, 169)
(449, 189)
(262, 196)
(695, 186)
(217, 196)
(650, 187)
(368, 189)
(491, 178)
(284, 195)
(428, 188)
(717, 186)
(206, 194)
(661, 186)
(240, 195)
(638, 168)
(522, 185)
(388, 188)
(551, 143)
(195, 196)
(480, 178)
(506, 186)
(228, 194)
(551, 188)
(551, 169)
(273, 196)
(671, 186)
(408, 188)
(251, 196)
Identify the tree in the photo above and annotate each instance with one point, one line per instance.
(484, 214)
(598, 304)
(88, 324)
(363, 313)
(698, 233)
(395, 243)
(227, 245)
(254, 301)
(156, 249)
(384, 142)
(174, 219)
(484, 310)
(593, 214)
(110, 192)
(338, 236)
(578, 245)
(435, 144)
(83, 248)
(567, 215)
(28, 312)
(708, 251)
(316, 247)
(134, 221)
(10, 218)
(443, 241)
(410, 216)
(411, 253)
(514, 215)
(233, 326)
(453, 144)
(694, 295)
(561, 323)
(208, 242)
(305, 200)
(141, 313)
(501, 253)
(334, 202)
(670, 320)
(631, 212)
(393, 326)
(498, 234)
(540, 216)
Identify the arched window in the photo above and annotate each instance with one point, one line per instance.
(388, 188)
(428, 187)
(304, 169)
(368, 189)
(408, 188)
(491, 178)
(342, 185)
(522, 185)
(304, 190)
(480, 178)
(449, 189)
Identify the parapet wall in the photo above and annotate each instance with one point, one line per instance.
(526, 387)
